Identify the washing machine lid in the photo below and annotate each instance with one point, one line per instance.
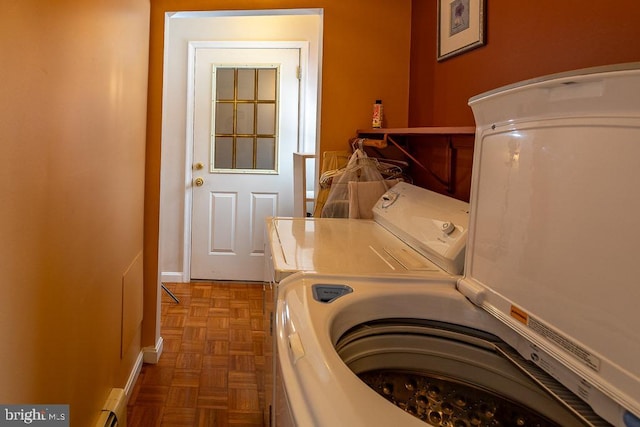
(553, 239)
(433, 224)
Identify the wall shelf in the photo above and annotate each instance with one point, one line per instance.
(453, 137)
(430, 130)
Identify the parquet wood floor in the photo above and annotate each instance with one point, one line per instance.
(211, 370)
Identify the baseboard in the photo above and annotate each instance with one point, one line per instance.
(152, 354)
(172, 277)
(133, 376)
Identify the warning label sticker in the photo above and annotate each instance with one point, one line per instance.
(564, 342)
(520, 315)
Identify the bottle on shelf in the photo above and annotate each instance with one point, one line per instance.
(376, 121)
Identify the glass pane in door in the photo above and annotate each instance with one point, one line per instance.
(266, 119)
(223, 152)
(244, 131)
(267, 84)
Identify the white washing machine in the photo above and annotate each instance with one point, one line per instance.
(543, 328)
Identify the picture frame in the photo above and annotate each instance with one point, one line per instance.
(461, 26)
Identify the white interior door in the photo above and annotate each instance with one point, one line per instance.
(245, 130)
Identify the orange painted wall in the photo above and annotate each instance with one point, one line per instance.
(524, 40)
(72, 137)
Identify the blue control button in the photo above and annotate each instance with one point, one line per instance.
(328, 293)
(631, 420)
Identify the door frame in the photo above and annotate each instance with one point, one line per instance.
(193, 46)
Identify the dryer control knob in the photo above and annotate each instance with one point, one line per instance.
(448, 227)
(389, 198)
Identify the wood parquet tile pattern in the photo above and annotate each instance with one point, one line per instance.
(211, 371)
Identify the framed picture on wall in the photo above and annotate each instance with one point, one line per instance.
(461, 26)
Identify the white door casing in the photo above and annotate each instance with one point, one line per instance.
(229, 208)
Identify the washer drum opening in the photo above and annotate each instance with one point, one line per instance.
(453, 376)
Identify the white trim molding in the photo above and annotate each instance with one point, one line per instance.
(173, 277)
(152, 354)
(133, 375)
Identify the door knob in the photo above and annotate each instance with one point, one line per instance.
(199, 182)
(199, 165)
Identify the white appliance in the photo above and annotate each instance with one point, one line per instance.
(413, 231)
(542, 329)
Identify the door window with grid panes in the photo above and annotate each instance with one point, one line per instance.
(244, 110)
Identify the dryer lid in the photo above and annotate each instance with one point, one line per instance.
(554, 231)
(433, 224)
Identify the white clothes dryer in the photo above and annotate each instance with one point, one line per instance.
(414, 231)
(543, 327)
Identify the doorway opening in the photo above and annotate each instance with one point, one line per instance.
(244, 29)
